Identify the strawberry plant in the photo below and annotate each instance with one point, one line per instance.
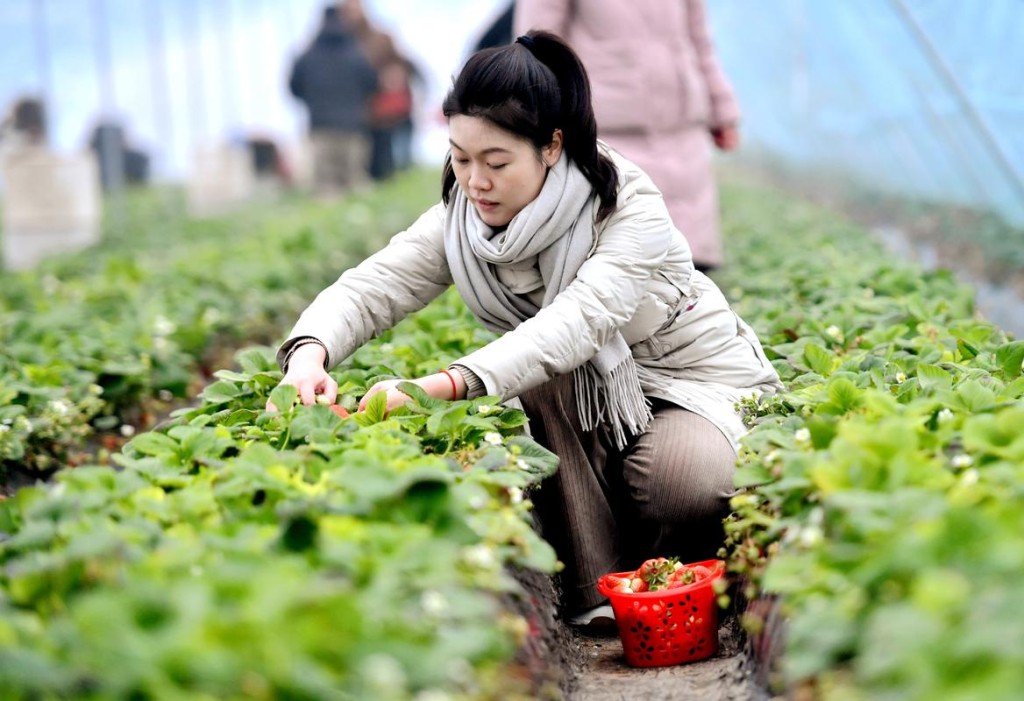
(881, 490)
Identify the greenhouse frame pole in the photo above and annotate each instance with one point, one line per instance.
(43, 65)
(160, 80)
(949, 78)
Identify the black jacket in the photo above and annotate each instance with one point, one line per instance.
(335, 80)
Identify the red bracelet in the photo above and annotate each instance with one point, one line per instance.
(455, 388)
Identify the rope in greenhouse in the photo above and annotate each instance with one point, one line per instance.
(947, 76)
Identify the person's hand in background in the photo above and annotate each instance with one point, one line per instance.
(726, 138)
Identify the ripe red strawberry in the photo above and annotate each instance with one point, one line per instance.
(682, 577)
(339, 410)
(636, 584)
(657, 572)
(701, 572)
(619, 584)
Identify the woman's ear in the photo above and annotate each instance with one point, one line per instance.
(553, 151)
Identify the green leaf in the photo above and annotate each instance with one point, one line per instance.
(539, 459)
(221, 392)
(1015, 389)
(312, 419)
(257, 359)
(284, 397)
(153, 443)
(376, 410)
(932, 378)
(447, 422)
(975, 396)
(1011, 359)
(751, 475)
(996, 434)
(823, 429)
(818, 359)
(231, 376)
(967, 350)
(844, 395)
(420, 396)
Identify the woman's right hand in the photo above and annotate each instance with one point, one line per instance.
(306, 373)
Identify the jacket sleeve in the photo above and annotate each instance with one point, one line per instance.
(401, 278)
(725, 110)
(607, 291)
(550, 15)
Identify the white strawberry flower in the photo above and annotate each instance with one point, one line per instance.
(61, 407)
(900, 378)
(810, 536)
(962, 460)
(493, 438)
(802, 435)
(162, 326)
(433, 602)
(432, 695)
(211, 315)
(834, 332)
(479, 556)
(945, 415)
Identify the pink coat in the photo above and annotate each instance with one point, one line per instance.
(658, 88)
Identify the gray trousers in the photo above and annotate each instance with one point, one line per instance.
(607, 510)
(340, 161)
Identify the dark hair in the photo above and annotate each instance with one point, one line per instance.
(530, 88)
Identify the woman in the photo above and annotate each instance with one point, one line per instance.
(627, 360)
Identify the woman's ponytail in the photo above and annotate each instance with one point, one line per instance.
(579, 125)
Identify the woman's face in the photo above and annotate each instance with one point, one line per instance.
(499, 171)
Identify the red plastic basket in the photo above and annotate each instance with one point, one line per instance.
(667, 627)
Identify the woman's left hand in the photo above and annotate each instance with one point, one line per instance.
(447, 384)
(395, 398)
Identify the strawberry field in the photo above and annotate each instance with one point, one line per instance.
(184, 543)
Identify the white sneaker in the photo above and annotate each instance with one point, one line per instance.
(598, 619)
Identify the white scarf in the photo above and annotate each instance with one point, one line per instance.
(552, 235)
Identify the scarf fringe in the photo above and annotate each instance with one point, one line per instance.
(615, 399)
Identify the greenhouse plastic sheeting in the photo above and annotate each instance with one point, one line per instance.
(923, 97)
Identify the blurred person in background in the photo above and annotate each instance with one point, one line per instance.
(629, 362)
(404, 77)
(660, 95)
(391, 109)
(335, 80)
(24, 126)
(120, 162)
